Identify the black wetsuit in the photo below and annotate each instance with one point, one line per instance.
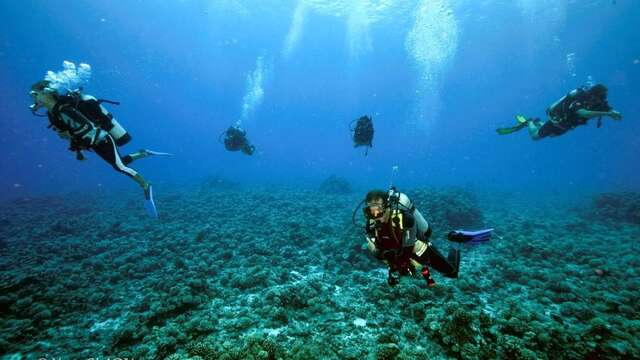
(396, 245)
(85, 122)
(564, 116)
(235, 139)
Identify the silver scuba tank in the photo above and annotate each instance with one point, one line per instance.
(117, 132)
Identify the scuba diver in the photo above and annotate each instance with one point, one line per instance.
(570, 111)
(89, 126)
(363, 133)
(398, 234)
(235, 139)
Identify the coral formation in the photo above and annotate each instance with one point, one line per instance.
(335, 185)
(616, 207)
(248, 274)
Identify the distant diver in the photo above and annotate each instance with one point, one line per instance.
(570, 111)
(88, 126)
(363, 133)
(235, 139)
(398, 234)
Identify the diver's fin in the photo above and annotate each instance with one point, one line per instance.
(511, 130)
(149, 204)
(522, 122)
(155, 153)
(472, 237)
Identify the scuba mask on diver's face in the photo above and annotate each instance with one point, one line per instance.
(36, 104)
(368, 211)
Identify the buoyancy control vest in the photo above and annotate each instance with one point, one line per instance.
(565, 113)
(84, 117)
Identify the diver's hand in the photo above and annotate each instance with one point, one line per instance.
(372, 245)
(615, 115)
(392, 280)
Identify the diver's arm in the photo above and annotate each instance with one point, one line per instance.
(370, 236)
(588, 114)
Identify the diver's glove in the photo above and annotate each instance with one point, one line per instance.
(427, 276)
(391, 279)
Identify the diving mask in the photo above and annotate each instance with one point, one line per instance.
(37, 104)
(374, 211)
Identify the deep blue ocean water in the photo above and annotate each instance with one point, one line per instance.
(180, 69)
(83, 271)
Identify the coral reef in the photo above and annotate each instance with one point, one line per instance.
(335, 185)
(615, 207)
(248, 274)
(448, 208)
(215, 182)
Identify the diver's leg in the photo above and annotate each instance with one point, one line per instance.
(447, 266)
(426, 254)
(108, 150)
(534, 129)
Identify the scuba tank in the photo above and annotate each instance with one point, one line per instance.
(397, 199)
(118, 133)
(113, 127)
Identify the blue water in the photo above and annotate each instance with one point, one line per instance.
(180, 70)
(83, 270)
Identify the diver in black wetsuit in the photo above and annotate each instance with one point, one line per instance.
(88, 126)
(235, 139)
(398, 234)
(570, 111)
(363, 133)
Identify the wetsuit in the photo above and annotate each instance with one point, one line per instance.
(404, 242)
(85, 121)
(563, 115)
(235, 140)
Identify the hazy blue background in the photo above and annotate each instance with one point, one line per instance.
(180, 69)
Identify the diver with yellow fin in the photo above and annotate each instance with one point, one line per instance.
(88, 126)
(569, 112)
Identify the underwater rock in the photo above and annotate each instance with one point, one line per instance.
(219, 183)
(335, 185)
(616, 206)
(451, 208)
(387, 351)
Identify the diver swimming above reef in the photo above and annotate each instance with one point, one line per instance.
(570, 111)
(88, 126)
(235, 139)
(363, 133)
(398, 234)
